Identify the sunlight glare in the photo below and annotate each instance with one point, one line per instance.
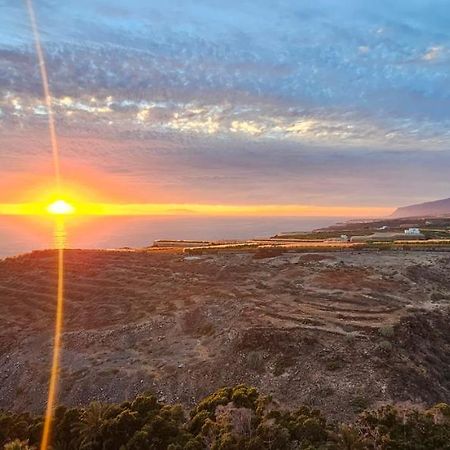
(60, 207)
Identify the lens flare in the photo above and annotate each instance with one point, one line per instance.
(59, 208)
(56, 358)
(47, 93)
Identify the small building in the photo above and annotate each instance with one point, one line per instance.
(413, 232)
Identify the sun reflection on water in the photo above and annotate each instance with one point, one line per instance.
(60, 234)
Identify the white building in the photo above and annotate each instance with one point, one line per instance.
(413, 231)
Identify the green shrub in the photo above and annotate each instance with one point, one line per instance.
(18, 445)
(387, 331)
(232, 418)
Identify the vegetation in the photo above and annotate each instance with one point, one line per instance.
(387, 331)
(229, 419)
(220, 247)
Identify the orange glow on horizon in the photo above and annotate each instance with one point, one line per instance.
(79, 208)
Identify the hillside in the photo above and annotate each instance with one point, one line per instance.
(435, 208)
(339, 331)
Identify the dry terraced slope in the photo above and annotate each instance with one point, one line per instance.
(340, 331)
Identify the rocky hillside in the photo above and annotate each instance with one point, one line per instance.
(436, 208)
(339, 331)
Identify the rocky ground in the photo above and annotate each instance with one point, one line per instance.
(342, 331)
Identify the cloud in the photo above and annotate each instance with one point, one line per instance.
(433, 53)
(252, 120)
(142, 86)
(363, 49)
(237, 171)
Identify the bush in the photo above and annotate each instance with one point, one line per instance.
(255, 361)
(385, 346)
(387, 331)
(18, 445)
(359, 403)
(232, 418)
(334, 364)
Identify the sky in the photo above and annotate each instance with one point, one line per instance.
(321, 102)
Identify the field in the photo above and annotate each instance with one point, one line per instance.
(431, 227)
(341, 331)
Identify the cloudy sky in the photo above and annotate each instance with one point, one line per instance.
(323, 102)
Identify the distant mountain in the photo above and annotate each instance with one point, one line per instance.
(436, 208)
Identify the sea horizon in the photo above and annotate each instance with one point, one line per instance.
(21, 236)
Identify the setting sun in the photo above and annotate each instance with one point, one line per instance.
(60, 207)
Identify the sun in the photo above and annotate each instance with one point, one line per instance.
(60, 207)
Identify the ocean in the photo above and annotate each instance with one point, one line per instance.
(22, 234)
